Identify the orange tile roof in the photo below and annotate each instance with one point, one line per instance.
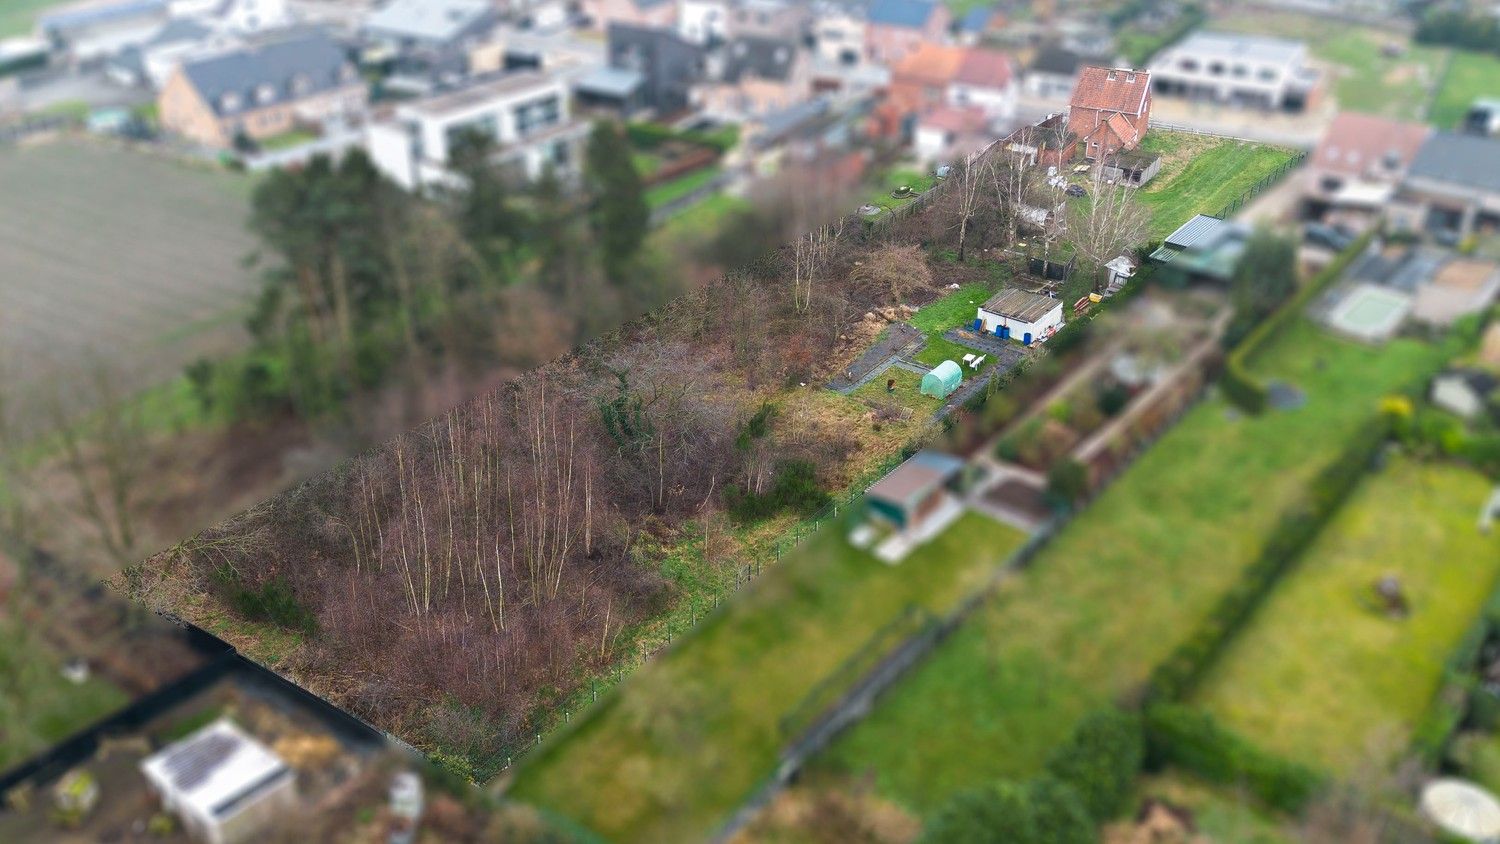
(931, 63)
(1124, 93)
(985, 68)
(1355, 143)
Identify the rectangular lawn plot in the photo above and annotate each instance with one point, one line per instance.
(689, 737)
(1122, 585)
(110, 254)
(1322, 674)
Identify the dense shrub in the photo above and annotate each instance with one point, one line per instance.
(796, 488)
(1067, 483)
(1101, 760)
(1193, 740)
(1040, 811)
(272, 601)
(1455, 28)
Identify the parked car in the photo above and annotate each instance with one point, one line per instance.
(1330, 237)
(1076, 190)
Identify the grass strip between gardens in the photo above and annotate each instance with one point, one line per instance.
(1122, 585)
(1351, 680)
(690, 736)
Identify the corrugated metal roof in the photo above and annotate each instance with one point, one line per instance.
(429, 20)
(1020, 305)
(1194, 231)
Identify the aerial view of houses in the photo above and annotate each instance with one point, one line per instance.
(876, 421)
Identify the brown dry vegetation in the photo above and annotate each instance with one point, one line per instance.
(457, 583)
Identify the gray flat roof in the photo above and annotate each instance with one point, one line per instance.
(1020, 305)
(1230, 45)
(429, 20)
(610, 82)
(477, 94)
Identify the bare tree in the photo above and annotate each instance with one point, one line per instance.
(1110, 222)
(105, 457)
(811, 254)
(965, 188)
(1013, 176)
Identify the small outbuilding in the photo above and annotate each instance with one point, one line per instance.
(225, 786)
(915, 490)
(942, 380)
(1027, 317)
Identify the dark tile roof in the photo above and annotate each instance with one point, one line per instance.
(293, 69)
(763, 58)
(1468, 160)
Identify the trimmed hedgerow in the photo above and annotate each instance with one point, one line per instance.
(1193, 740)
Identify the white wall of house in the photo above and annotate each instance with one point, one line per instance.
(414, 146)
(997, 103)
(1048, 324)
(839, 36)
(701, 21)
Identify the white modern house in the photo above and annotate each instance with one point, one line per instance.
(527, 113)
(1242, 70)
(224, 786)
(1018, 315)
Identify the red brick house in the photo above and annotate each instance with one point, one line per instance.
(1110, 110)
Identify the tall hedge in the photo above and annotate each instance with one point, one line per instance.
(1101, 760)
(1176, 676)
(1191, 739)
(1239, 385)
(1039, 811)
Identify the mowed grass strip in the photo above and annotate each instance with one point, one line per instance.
(1321, 675)
(1124, 583)
(38, 706)
(1201, 174)
(1470, 76)
(693, 733)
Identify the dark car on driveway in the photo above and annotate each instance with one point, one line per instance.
(1076, 190)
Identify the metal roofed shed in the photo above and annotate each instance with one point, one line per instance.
(1016, 314)
(223, 784)
(913, 490)
(942, 380)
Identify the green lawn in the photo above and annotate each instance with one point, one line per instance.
(38, 706)
(1201, 174)
(908, 392)
(1319, 675)
(954, 309)
(288, 140)
(693, 733)
(880, 189)
(667, 192)
(1124, 583)
(1470, 76)
(18, 17)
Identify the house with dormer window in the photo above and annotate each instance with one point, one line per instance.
(262, 91)
(1110, 110)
